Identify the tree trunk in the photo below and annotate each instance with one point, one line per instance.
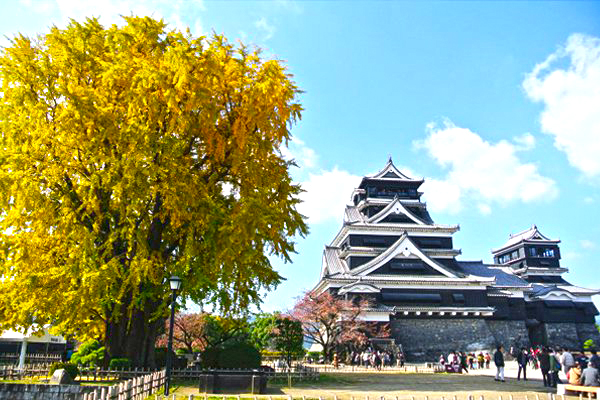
(133, 336)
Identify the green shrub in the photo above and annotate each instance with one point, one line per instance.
(239, 355)
(71, 369)
(119, 363)
(209, 358)
(181, 352)
(89, 354)
(589, 344)
(314, 354)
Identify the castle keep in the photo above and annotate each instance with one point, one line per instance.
(390, 251)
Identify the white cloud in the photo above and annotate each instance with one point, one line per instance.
(327, 194)
(571, 98)
(525, 142)
(588, 200)
(587, 244)
(263, 25)
(480, 172)
(297, 150)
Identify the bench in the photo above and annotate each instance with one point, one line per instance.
(574, 389)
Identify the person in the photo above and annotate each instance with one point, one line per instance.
(575, 374)
(401, 359)
(480, 360)
(522, 359)
(488, 358)
(567, 360)
(463, 362)
(544, 359)
(554, 368)
(335, 361)
(589, 376)
(594, 359)
(499, 361)
(442, 359)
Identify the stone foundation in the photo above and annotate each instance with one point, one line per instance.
(563, 335)
(426, 339)
(509, 333)
(18, 391)
(587, 331)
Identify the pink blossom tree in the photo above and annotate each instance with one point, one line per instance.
(331, 321)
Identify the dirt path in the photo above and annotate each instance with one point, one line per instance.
(407, 386)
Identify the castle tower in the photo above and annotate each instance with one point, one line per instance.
(557, 311)
(390, 251)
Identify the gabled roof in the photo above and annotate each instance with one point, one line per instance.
(353, 215)
(531, 235)
(359, 287)
(391, 172)
(395, 207)
(404, 245)
(332, 263)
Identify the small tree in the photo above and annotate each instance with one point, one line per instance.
(199, 331)
(261, 330)
(328, 320)
(288, 337)
(89, 354)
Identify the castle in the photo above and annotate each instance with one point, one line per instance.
(390, 251)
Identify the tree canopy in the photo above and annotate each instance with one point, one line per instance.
(331, 321)
(131, 153)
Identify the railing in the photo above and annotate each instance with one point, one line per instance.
(30, 358)
(133, 389)
(12, 372)
(428, 368)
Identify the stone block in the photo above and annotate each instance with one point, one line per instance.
(563, 334)
(425, 339)
(587, 331)
(61, 377)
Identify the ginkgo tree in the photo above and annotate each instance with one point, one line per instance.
(132, 153)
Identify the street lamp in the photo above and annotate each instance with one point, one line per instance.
(175, 284)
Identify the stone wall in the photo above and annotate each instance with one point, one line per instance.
(18, 391)
(426, 339)
(509, 333)
(587, 331)
(563, 335)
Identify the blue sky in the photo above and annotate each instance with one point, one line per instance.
(496, 104)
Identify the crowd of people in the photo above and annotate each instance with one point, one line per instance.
(577, 366)
(458, 361)
(377, 359)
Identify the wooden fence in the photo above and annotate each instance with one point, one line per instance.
(414, 368)
(133, 389)
(205, 396)
(12, 372)
(30, 358)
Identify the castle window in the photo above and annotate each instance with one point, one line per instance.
(546, 252)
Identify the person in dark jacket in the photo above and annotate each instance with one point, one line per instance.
(499, 361)
(594, 359)
(544, 359)
(522, 360)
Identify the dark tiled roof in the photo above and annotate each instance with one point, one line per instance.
(503, 278)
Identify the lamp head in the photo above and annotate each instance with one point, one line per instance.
(175, 282)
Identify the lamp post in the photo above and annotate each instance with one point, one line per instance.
(175, 284)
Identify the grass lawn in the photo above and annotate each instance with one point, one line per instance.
(405, 386)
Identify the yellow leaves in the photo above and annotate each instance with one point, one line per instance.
(116, 147)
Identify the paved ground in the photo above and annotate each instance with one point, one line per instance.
(407, 386)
